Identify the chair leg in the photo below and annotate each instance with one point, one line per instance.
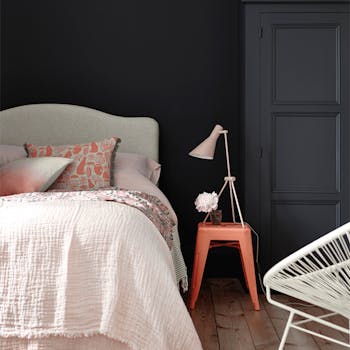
(247, 258)
(201, 253)
(286, 331)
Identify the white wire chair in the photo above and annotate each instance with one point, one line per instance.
(319, 274)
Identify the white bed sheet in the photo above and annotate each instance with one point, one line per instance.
(76, 269)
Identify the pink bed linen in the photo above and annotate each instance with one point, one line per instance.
(75, 269)
(148, 204)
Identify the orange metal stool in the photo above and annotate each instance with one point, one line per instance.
(225, 234)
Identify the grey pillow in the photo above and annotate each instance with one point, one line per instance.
(9, 153)
(31, 174)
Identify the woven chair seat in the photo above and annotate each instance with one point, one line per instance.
(318, 273)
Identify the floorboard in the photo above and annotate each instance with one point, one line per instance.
(204, 319)
(225, 320)
(232, 327)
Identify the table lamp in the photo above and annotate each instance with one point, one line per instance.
(206, 150)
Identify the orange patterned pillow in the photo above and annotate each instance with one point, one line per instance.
(91, 168)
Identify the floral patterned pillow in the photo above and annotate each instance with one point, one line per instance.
(91, 167)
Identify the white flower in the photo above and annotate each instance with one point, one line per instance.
(206, 202)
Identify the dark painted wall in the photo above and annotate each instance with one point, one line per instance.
(174, 60)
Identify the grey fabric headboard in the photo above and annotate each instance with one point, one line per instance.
(63, 124)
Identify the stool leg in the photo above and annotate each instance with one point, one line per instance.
(247, 258)
(200, 257)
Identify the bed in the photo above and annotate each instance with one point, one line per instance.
(97, 269)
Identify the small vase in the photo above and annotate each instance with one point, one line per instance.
(216, 217)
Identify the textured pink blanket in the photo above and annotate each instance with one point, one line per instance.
(74, 268)
(148, 204)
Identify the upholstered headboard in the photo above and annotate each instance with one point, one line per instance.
(57, 124)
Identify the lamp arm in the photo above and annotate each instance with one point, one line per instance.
(225, 132)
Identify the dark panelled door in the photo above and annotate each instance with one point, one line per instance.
(304, 128)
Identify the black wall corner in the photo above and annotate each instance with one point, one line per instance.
(175, 61)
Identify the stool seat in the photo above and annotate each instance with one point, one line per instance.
(228, 234)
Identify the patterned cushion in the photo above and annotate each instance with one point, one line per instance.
(31, 174)
(91, 168)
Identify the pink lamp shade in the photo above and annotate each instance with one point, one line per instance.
(206, 149)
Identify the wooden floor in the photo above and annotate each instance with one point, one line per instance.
(225, 320)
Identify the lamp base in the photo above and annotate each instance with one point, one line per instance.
(233, 197)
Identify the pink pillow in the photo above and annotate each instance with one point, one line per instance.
(128, 180)
(30, 174)
(91, 167)
(137, 163)
(9, 153)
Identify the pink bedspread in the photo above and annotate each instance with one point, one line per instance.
(75, 267)
(148, 204)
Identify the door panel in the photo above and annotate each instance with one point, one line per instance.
(299, 137)
(293, 223)
(306, 63)
(304, 128)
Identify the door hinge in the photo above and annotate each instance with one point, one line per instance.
(261, 32)
(261, 152)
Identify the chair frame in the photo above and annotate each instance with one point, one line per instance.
(307, 318)
(314, 273)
